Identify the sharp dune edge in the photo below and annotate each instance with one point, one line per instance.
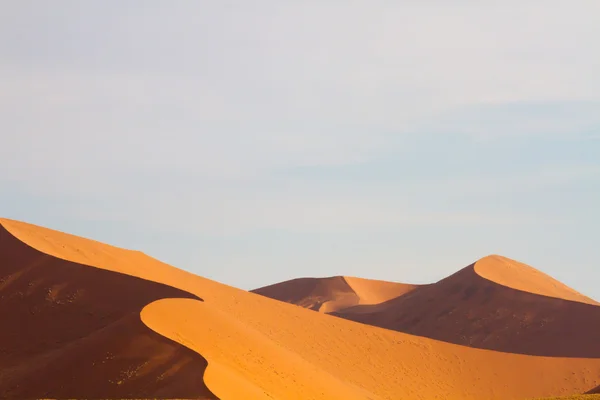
(74, 331)
(245, 346)
(516, 275)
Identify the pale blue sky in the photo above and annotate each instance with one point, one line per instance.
(253, 142)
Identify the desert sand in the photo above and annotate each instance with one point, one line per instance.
(496, 304)
(72, 331)
(137, 327)
(516, 275)
(335, 293)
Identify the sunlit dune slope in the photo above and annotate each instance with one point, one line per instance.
(471, 310)
(372, 363)
(371, 291)
(334, 293)
(259, 348)
(69, 330)
(516, 275)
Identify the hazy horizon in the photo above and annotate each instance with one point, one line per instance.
(252, 144)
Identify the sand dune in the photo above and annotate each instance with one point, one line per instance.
(496, 304)
(516, 275)
(469, 309)
(372, 291)
(334, 293)
(259, 348)
(69, 330)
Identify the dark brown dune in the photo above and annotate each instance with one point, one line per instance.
(94, 344)
(470, 310)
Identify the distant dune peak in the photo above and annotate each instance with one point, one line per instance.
(516, 275)
(319, 294)
(371, 291)
(333, 294)
(495, 303)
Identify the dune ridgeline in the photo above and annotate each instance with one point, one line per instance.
(82, 319)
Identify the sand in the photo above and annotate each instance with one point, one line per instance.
(495, 303)
(255, 347)
(576, 397)
(72, 331)
(334, 294)
(516, 275)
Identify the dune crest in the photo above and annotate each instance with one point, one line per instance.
(334, 293)
(371, 291)
(250, 340)
(58, 314)
(468, 309)
(516, 275)
(319, 294)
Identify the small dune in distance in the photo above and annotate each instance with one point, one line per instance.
(83, 319)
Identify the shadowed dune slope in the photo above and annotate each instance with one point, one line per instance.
(259, 348)
(334, 293)
(471, 310)
(595, 390)
(73, 331)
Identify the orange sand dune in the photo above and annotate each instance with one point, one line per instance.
(516, 275)
(469, 309)
(334, 293)
(258, 348)
(69, 330)
(496, 304)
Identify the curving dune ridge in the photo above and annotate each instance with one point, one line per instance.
(259, 348)
(469, 309)
(496, 304)
(519, 276)
(70, 330)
